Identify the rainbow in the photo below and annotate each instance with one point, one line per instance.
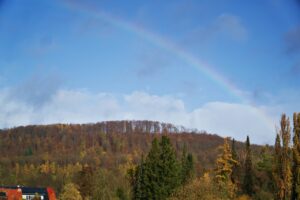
(174, 49)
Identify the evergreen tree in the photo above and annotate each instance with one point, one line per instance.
(265, 170)
(190, 166)
(169, 169)
(187, 166)
(296, 157)
(248, 177)
(121, 194)
(151, 173)
(233, 150)
(159, 175)
(224, 165)
(235, 168)
(138, 181)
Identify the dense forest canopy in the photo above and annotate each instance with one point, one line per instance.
(53, 155)
(109, 142)
(149, 160)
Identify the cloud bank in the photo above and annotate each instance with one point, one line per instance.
(81, 106)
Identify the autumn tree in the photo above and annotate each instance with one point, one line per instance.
(70, 192)
(277, 166)
(85, 181)
(103, 188)
(198, 188)
(248, 176)
(282, 161)
(296, 157)
(223, 171)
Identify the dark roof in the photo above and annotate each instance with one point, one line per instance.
(30, 190)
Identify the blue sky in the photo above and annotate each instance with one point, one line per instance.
(75, 61)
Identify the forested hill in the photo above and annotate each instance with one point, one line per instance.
(104, 143)
(49, 154)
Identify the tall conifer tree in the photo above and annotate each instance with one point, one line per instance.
(248, 177)
(159, 174)
(139, 181)
(169, 168)
(187, 165)
(235, 169)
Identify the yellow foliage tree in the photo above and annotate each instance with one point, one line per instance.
(223, 171)
(203, 188)
(70, 192)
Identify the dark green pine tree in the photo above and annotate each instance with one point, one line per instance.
(151, 187)
(138, 180)
(187, 166)
(235, 167)
(121, 195)
(159, 175)
(296, 158)
(233, 150)
(190, 166)
(248, 177)
(169, 173)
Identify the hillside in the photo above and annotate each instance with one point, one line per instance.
(110, 141)
(41, 155)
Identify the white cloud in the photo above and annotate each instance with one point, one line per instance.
(80, 106)
(236, 120)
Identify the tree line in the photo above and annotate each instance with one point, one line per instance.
(81, 162)
(158, 176)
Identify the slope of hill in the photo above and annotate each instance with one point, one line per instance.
(43, 155)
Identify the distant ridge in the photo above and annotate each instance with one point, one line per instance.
(124, 126)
